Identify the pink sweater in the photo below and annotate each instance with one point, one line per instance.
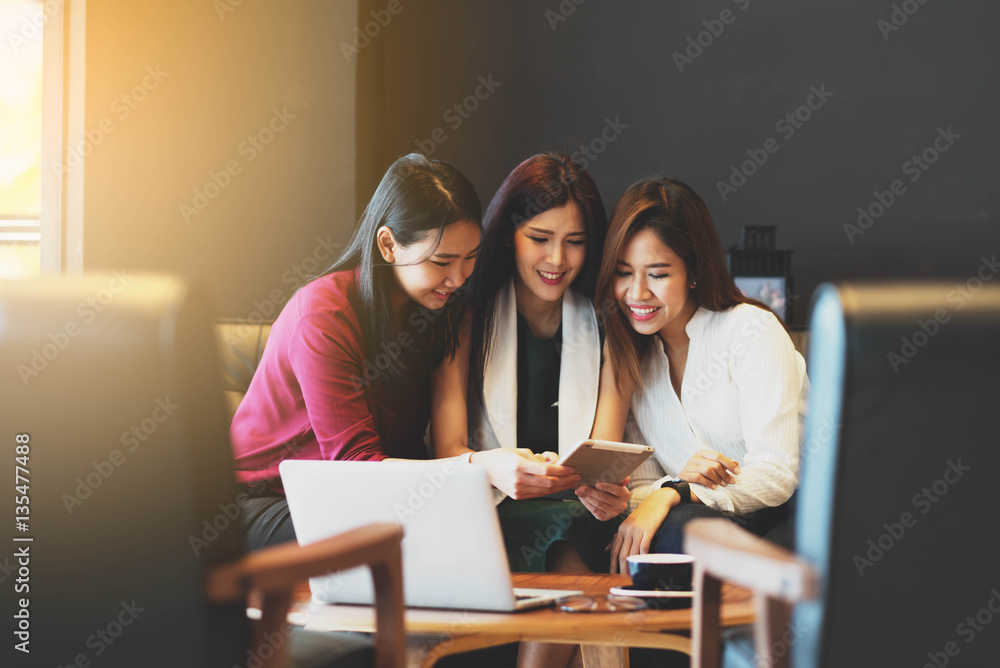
(309, 398)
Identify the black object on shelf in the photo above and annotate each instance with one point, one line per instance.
(754, 237)
(760, 270)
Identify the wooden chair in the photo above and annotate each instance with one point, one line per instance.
(272, 572)
(895, 534)
(137, 557)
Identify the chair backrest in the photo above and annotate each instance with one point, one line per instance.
(896, 491)
(115, 381)
(241, 345)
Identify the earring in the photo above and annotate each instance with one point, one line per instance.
(694, 284)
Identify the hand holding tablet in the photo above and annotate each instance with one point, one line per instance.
(602, 461)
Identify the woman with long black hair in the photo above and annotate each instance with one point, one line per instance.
(347, 368)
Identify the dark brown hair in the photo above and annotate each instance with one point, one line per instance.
(416, 197)
(679, 217)
(540, 183)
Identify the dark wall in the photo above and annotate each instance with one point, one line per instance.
(893, 90)
(259, 88)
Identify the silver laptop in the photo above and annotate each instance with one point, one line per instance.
(453, 551)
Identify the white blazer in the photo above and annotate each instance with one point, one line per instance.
(495, 424)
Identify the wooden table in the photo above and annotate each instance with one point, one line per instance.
(437, 633)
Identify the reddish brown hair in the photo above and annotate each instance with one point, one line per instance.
(679, 217)
(540, 183)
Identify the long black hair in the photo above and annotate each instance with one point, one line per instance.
(540, 183)
(416, 197)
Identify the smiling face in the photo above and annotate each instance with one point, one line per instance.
(549, 251)
(429, 275)
(652, 286)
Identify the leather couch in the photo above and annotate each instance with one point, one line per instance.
(241, 345)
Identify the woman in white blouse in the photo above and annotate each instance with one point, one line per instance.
(712, 379)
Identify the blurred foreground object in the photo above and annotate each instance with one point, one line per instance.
(895, 531)
(133, 550)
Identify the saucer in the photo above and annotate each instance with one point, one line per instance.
(630, 590)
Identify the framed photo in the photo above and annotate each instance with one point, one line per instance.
(771, 290)
(761, 271)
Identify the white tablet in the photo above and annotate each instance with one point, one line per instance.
(603, 461)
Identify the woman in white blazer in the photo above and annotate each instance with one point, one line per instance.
(706, 376)
(526, 375)
(527, 371)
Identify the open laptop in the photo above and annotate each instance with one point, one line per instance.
(453, 550)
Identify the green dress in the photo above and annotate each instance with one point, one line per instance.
(532, 526)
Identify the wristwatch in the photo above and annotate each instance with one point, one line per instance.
(682, 487)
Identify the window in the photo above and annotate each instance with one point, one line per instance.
(20, 136)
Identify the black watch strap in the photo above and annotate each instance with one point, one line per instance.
(682, 487)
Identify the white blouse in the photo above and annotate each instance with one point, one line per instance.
(743, 394)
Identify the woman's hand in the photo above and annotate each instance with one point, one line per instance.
(636, 533)
(521, 474)
(606, 499)
(710, 469)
